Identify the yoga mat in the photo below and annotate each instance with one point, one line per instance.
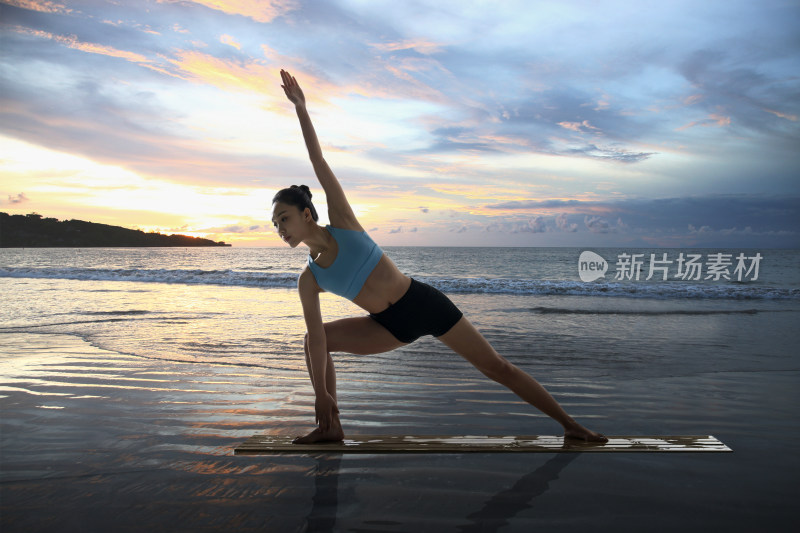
(271, 444)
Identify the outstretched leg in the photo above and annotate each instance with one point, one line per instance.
(361, 336)
(465, 340)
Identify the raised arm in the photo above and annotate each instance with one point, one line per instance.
(340, 213)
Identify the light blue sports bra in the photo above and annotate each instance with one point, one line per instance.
(357, 257)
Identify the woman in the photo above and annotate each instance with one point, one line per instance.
(344, 260)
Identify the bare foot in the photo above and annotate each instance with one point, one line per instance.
(581, 433)
(334, 434)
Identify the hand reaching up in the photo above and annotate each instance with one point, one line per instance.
(293, 91)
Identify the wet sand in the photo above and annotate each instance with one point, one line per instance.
(94, 440)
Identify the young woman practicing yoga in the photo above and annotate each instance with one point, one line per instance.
(344, 260)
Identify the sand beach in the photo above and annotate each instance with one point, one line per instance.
(98, 441)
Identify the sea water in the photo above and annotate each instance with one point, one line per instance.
(710, 353)
(240, 307)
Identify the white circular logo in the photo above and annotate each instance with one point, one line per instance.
(591, 266)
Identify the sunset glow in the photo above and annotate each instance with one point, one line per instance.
(517, 124)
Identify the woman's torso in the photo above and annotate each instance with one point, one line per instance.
(384, 285)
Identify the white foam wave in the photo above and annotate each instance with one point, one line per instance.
(193, 276)
(660, 290)
(251, 278)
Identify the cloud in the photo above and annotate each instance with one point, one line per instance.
(131, 126)
(563, 225)
(401, 229)
(99, 125)
(579, 127)
(259, 10)
(535, 204)
(18, 199)
(714, 119)
(606, 153)
(537, 225)
(423, 46)
(71, 41)
(603, 132)
(745, 97)
(236, 229)
(598, 225)
(42, 6)
(521, 113)
(762, 214)
(225, 73)
(230, 41)
(459, 138)
(787, 116)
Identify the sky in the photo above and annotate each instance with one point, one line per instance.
(449, 123)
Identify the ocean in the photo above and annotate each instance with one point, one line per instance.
(129, 374)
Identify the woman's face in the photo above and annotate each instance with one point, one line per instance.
(289, 222)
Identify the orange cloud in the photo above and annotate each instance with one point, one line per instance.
(422, 46)
(786, 116)
(692, 99)
(73, 42)
(720, 120)
(42, 6)
(577, 126)
(223, 73)
(488, 192)
(714, 119)
(259, 75)
(230, 41)
(603, 103)
(258, 10)
(415, 88)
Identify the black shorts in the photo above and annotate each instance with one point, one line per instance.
(423, 310)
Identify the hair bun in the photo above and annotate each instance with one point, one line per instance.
(304, 189)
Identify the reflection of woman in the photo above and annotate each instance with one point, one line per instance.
(345, 261)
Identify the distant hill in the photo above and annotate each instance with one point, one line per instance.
(32, 231)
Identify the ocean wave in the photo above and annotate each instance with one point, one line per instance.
(659, 290)
(638, 312)
(249, 278)
(183, 276)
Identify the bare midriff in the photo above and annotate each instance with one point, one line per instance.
(384, 286)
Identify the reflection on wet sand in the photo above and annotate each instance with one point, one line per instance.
(83, 449)
(325, 503)
(497, 512)
(500, 508)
